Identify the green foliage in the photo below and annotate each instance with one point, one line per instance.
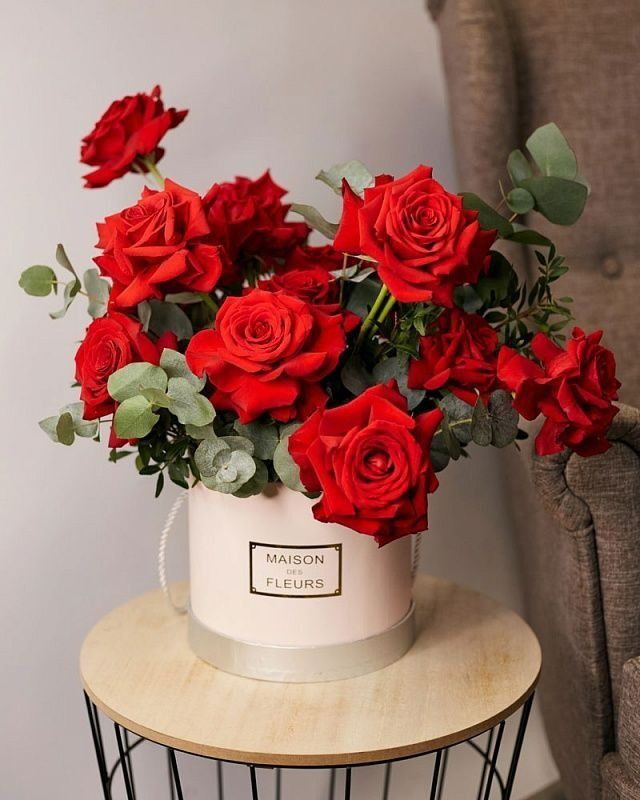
(168, 317)
(263, 435)
(134, 418)
(226, 464)
(315, 220)
(495, 423)
(356, 174)
(69, 423)
(559, 200)
(520, 201)
(131, 379)
(285, 467)
(488, 217)
(397, 368)
(38, 281)
(552, 153)
(188, 405)
(175, 366)
(97, 290)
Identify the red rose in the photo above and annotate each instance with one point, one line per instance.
(314, 285)
(155, 247)
(111, 343)
(129, 128)
(311, 257)
(267, 354)
(573, 389)
(460, 354)
(248, 218)
(370, 459)
(424, 241)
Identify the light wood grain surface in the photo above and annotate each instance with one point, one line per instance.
(473, 664)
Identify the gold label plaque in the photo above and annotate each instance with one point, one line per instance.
(280, 570)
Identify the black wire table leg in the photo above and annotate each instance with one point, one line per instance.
(517, 748)
(220, 780)
(332, 784)
(127, 750)
(347, 784)
(278, 783)
(445, 761)
(175, 774)
(493, 768)
(128, 785)
(96, 735)
(435, 777)
(254, 783)
(172, 791)
(387, 781)
(485, 763)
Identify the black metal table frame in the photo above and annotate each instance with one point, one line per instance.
(490, 777)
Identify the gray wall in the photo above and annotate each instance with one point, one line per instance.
(289, 84)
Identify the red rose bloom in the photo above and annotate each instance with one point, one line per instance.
(370, 459)
(155, 247)
(311, 257)
(312, 285)
(460, 354)
(573, 389)
(129, 128)
(111, 343)
(423, 239)
(248, 218)
(267, 354)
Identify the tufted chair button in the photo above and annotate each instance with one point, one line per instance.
(612, 267)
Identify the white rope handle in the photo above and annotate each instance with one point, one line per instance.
(415, 560)
(162, 553)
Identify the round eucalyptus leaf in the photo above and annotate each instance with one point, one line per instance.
(190, 407)
(134, 418)
(38, 281)
(257, 483)
(175, 365)
(264, 436)
(286, 468)
(520, 201)
(64, 429)
(205, 456)
(128, 381)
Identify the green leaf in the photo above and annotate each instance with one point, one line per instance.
(156, 397)
(200, 431)
(363, 297)
(481, 424)
(98, 290)
(397, 368)
(561, 201)
(175, 365)
(64, 429)
(488, 217)
(130, 380)
(178, 472)
(355, 376)
(169, 317)
(86, 428)
(504, 418)
(38, 281)
(466, 298)
(256, 484)
(206, 454)
(315, 219)
(48, 425)
(458, 412)
(264, 436)
(286, 468)
(518, 167)
(190, 407)
(159, 484)
(451, 442)
(144, 314)
(526, 236)
(519, 201)
(551, 152)
(184, 298)
(70, 291)
(498, 282)
(234, 470)
(134, 418)
(439, 453)
(118, 455)
(356, 174)
(239, 443)
(63, 259)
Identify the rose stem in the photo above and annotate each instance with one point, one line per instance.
(150, 164)
(385, 311)
(371, 316)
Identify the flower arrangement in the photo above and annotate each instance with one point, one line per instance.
(225, 349)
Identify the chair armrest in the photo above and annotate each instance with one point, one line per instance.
(629, 719)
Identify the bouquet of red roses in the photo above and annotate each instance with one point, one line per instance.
(226, 349)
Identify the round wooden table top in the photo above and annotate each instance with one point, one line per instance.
(473, 664)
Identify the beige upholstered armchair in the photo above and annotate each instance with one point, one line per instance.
(512, 65)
